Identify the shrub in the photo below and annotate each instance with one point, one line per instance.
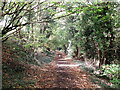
(113, 72)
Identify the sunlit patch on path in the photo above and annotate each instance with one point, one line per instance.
(62, 73)
(66, 62)
(68, 75)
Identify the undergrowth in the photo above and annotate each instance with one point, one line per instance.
(15, 59)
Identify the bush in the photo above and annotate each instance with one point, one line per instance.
(113, 72)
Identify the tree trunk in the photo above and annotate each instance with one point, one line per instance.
(65, 48)
(77, 51)
(99, 58)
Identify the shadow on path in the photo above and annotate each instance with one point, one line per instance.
(64, 78)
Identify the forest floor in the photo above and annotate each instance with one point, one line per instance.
(60, 73)
(63, 73)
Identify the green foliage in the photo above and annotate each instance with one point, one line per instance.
(48, 26)
(90, 27)
(13, 77)
(116, 82)
(97, 29)
(113, 72)
(111, 69)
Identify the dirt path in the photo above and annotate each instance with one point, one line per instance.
(61, 73)
(69, 76)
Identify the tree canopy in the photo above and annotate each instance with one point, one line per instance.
(92, 26)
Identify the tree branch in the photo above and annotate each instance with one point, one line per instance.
(6, 29)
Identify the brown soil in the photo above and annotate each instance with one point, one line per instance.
(52, 76)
